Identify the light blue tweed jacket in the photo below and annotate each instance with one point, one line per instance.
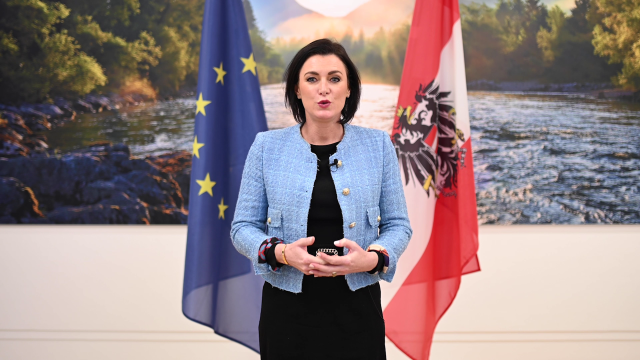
(277, 183)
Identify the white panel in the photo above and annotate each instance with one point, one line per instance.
(114, 292)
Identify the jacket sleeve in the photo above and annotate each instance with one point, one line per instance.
(249, 221)
(395, 230)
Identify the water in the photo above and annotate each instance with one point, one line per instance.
(538, 157)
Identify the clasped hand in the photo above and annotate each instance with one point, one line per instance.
(357, 260)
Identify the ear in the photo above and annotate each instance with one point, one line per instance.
(297, 89)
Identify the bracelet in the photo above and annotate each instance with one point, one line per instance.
(284, 257)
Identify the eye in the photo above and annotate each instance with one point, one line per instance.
(311, 79)
(335, 79)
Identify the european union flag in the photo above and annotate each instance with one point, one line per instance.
(220, 288)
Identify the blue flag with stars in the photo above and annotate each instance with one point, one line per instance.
(221, 290)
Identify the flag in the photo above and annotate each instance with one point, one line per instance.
(432, 137)
(220, 289)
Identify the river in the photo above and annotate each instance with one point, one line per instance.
(538, 157)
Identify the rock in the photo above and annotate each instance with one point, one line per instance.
(65, 176)
(98, 102)
(12, 109)
(17, 200)
(83, 107)
(51, 111)
(178, 164)
(29, 111)
(102, 184)
(121, 148)
(163, 215)
(16, 122)
(145, 165)
(10, 147)
(37, 123)
(153, 190)
(98, 214)
(66, 107)
(98, 190)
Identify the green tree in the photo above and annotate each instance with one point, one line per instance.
(483, 42)
(38, 59)
(567, 47)
(618, 38)
(122, 60)
(270, 63)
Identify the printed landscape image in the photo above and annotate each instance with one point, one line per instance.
(97, 102)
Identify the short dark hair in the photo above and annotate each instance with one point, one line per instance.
(292, 76)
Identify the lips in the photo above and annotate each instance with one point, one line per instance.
(324, 103)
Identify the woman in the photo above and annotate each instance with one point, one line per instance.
(331, 199)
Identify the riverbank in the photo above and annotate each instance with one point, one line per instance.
(598, 90)
(99, 184)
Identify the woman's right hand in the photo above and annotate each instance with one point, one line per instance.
(297, 255)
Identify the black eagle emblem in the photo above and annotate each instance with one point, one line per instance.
(434, 169)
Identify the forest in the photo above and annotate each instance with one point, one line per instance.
(70, 48)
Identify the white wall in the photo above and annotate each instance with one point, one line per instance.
(114, 292)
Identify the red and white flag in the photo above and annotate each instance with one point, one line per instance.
(433, 140)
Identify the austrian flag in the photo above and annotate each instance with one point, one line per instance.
(432, 137)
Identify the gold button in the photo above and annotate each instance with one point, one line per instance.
(269, 220)
(339, 163)
(352, 225)
(345, 191)
(379, 218)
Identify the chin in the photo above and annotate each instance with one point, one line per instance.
(326, 116)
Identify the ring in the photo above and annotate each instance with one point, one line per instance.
(333, 274)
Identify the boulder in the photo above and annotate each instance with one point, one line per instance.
(99, 214)
(52, 111)
(66, 107)
(98, 102)
(10, 147)
(83, 107)
(17, 201)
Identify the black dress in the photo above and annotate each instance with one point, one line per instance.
(327, 320)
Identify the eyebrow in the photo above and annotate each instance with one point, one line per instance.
(330, 72)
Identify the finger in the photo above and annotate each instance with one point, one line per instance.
(325, 269)
(333, 260)
(349, 244)
(307, 241)
(309, 259)
(327, 258)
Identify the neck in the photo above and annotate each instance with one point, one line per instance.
(322, 133)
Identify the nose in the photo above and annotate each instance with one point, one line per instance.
(324, 87)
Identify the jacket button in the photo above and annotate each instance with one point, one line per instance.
(339, 163)
(269, 221)
(346, 191)
(352, 225)
(379, 218)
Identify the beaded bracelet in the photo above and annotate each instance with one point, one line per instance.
(267, 247)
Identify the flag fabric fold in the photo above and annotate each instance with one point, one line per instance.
(220, 288)
(432, 137)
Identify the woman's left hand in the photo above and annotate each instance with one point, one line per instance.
(357, 260)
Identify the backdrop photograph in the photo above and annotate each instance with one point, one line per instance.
(99, 100)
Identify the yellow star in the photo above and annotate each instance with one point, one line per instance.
(221, 73)
(249, 64)
(222, 208)
(200, 104)
(206, 185)
(196, 147)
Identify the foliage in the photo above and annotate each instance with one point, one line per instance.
(618, 38)
(270, 63)
(74, 47)
(522, 40)
(379, 58)
(38, 58)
